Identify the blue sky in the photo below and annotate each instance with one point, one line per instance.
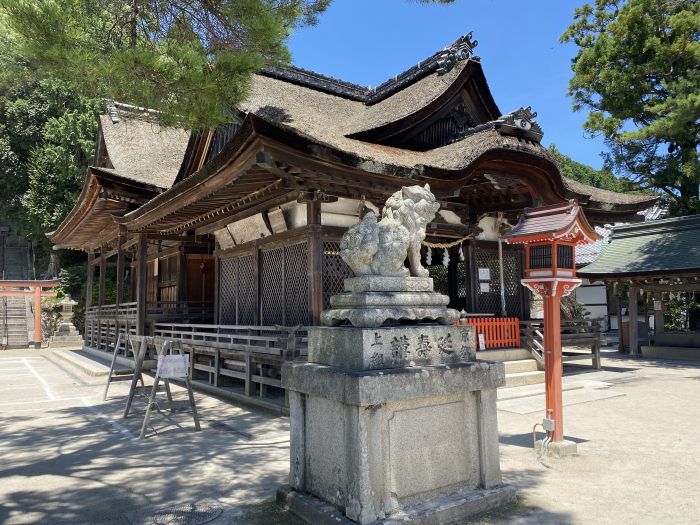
(369, 41)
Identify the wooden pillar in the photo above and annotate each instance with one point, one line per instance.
(633, 314)
(90, 276)
(141, 284)
(103, 271)
(120, 265)
(618, 297)
(315, 259)
(181, 292)
(37, 317)
(217, 288)
(553, 363)
(658, 314)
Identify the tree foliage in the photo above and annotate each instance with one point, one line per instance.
(191, 59)
(47, 135)
(585, 174)
(637, 71)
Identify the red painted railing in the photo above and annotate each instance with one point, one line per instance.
(499, 332)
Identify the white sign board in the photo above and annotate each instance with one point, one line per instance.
(173, 366)
(484, 274)
(482, 342)
(484, 287)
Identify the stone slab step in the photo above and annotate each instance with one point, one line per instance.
(521, 365)
(88, 363)
(504, 354)
(524, 378)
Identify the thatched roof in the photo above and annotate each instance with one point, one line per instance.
(141, 150)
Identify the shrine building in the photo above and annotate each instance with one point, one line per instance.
(240, 226)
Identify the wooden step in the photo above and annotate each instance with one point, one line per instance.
(524, 378)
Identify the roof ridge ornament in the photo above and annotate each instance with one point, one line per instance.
(461, 49)
(521, 123)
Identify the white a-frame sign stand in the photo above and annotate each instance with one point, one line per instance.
(172, 363)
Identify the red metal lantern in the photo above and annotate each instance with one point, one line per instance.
(550, 235)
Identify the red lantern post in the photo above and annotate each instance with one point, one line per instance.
(550, 235)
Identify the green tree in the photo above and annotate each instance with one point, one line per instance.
(586, 174)
(637, 71)
(189, 59)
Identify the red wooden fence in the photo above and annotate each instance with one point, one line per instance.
(499, 332)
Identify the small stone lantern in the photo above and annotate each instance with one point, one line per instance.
(550, 235)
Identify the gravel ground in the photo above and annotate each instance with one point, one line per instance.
(67, 457)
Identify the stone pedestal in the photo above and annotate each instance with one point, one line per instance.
(393, 424)
(372, 300)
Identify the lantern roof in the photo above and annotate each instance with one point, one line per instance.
(557, 222)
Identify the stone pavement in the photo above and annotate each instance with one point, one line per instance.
(67, 457)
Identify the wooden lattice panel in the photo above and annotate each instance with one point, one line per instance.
(296, 289)
(335, 271)
(490, 302)
(272, 280)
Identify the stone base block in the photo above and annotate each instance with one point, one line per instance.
(444, 508)
(391, 347)
(385, 443)
(558, 449)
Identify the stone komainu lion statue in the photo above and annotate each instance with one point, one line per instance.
(380, 247)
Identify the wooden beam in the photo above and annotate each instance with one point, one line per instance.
(141, 284)
(263, 206)
(315, 258)
(101, 289)
(90, 276)
(120, 265)
(633, 301)
(658, 314)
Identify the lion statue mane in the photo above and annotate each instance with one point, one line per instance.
(374, 247)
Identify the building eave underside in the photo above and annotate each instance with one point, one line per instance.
(91, 221)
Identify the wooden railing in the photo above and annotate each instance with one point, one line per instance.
(200, 311)
(580, 339)
(111, 310)
(498, 332)
(250, 356)
(103, 323)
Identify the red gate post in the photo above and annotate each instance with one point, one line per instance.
(37, 317)
(553, 365)
(550, 235)
(36, 290)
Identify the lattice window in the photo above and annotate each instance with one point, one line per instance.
(296, 285)
(335, 271)
(461, 280)
(272, 286)
(237, 291)
(247, 291)
(490, 302)
(565, 256)
(439, 273)
(228, 288)
(541, 256)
